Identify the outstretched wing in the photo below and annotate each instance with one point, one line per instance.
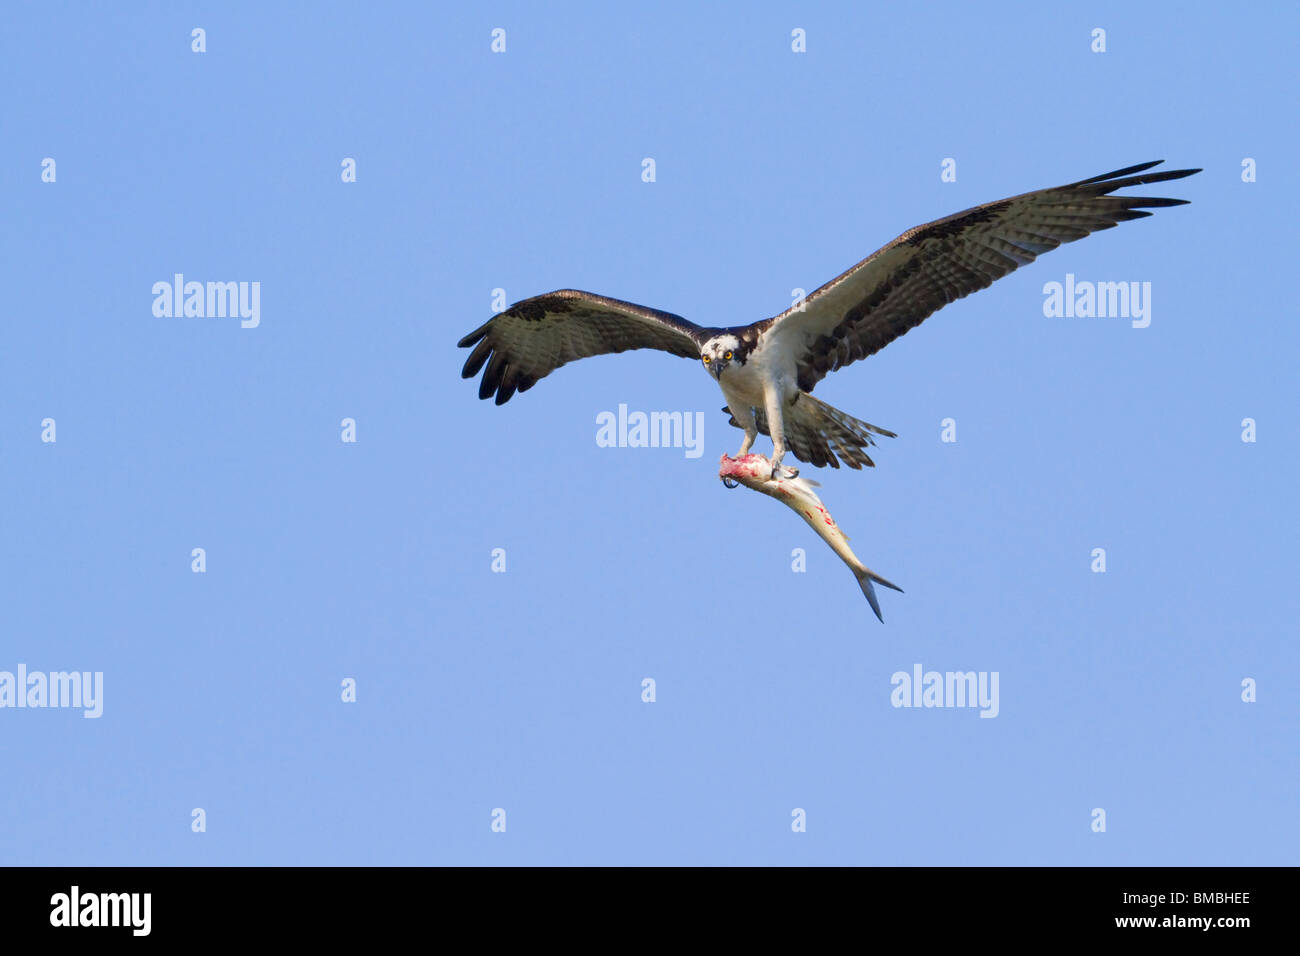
(533, 338)
(898, 287)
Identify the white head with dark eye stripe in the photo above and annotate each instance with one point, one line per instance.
(721, 352)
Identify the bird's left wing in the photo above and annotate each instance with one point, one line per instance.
(896, 288)
(534, 337)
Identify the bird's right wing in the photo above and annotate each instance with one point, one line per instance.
(897, 287)
(534, 337)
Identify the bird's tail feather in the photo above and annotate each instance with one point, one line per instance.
(821, 434)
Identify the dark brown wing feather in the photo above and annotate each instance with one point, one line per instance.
(899, 286)
(534, 337)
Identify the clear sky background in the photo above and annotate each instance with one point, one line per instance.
(522, 690)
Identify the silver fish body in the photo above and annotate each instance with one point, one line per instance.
(755, 471)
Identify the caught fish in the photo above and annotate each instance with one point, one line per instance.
(755, 471)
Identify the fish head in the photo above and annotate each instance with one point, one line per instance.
(747, 468)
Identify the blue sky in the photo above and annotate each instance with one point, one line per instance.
(372, 560)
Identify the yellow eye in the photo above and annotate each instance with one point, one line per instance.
(707, 360)
(727, 356)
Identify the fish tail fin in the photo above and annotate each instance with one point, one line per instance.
(865, 578)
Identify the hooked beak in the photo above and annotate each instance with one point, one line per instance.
(716, 367)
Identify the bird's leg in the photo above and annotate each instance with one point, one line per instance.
(772, 399)
(745, 418)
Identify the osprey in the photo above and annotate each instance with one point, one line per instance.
(768, 370)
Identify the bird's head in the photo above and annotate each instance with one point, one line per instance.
(719, 352)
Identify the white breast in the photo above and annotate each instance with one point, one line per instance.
(767, 365)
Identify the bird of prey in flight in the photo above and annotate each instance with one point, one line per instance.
(768, 370)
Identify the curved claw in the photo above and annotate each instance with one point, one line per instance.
(730, 483)
(780, 471)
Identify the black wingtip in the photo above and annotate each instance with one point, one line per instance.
(473, 337)
(1131, 176)
(476, 359)
(1114, 174)
(506, 390)
(1168, 174)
